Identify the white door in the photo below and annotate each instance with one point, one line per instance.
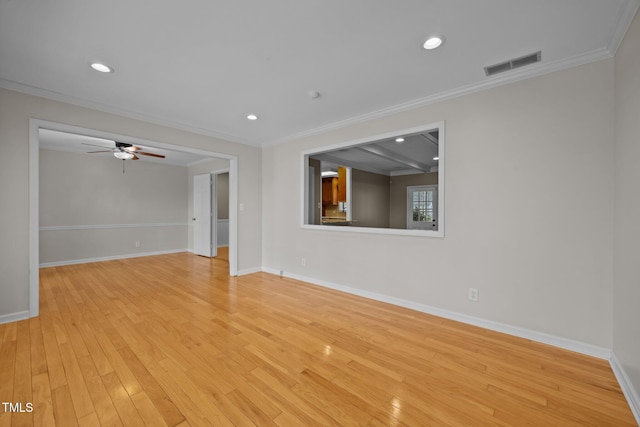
(422, 207)
(204, 234)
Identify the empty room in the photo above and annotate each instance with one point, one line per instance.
(319, 213)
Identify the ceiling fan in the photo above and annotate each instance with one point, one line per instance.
(125, 151)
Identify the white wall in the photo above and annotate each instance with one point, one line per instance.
(84, 191)
(529, 195)
(15, 111)
(626, 296)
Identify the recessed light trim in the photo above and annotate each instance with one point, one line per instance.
(433, 42)
(252, 117)
(98, 66)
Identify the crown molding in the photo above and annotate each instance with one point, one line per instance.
(490, 83)
(80, 102)
(625, 17)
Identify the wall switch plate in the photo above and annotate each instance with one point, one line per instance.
(137, 243)
(473, 294)
(303, 261)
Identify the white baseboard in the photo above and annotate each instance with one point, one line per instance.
(14, 317)
(629, 391)
(249, 271)
(109, 258)
(565, 343)
(190, 250)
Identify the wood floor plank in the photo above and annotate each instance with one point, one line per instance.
(344, 407)
(153, 392)
(57, 376)
(105, 410)
(38, 355)
(42, 401)
(76, 381)
(293, 409)
(7, 368)
(173, 340)
(121, 400)
(179, 398)
(63, 410)
(22, 391)
(126, 377)
(148, 412)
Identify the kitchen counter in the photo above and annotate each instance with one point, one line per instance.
(327, 220)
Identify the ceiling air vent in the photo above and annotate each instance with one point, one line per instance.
(513, 64)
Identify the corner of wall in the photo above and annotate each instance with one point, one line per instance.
(627, 387)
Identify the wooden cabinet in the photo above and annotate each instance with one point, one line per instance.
(327, 190)
(330, 191)
(334, 189)
(342, 184)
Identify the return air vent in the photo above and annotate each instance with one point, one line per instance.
(513, 64)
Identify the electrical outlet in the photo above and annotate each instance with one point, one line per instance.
(137, 243)
(473, 294)
(303, 261)
(281, 273)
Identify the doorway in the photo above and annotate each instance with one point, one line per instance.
(34, 193)
(422, 207)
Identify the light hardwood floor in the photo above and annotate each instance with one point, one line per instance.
(172, 340)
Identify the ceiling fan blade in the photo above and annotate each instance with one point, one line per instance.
(103, 151)
(95, 145)
(135, 157)
(144, 153)
(132, 148)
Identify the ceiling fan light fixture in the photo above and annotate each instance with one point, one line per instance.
(433, 42)
(123, 155)
(98, 66)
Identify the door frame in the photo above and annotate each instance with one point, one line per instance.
(34, 194)
(214, 175)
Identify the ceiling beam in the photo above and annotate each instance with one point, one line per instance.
(432, 139)
(327, 157)
(395, 157)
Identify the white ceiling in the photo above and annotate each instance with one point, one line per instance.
(203, 65)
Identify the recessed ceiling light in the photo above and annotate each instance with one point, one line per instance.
(433, 42)
(401, 139)
(101, 67)
(436, 158)
(252, 117)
